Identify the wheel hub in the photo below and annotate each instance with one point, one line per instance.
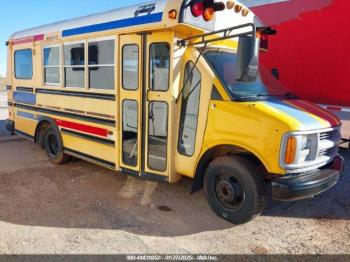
(226, 191)
(229, 191)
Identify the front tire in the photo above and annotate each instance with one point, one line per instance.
(54, 147)
(235, 189)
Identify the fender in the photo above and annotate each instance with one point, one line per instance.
(42, 121)
(214, 152)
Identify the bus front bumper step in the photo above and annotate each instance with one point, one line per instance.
(307, 185)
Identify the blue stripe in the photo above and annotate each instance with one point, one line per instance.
(26, 115)
(308, 122)
(140, 20)
(24, 97)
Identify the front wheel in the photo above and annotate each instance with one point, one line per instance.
(54, 147)
(235, 189)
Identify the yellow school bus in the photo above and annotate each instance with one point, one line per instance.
(172, 89)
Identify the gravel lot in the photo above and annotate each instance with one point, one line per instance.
(81, 208)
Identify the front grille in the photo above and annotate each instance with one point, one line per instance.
(328, 135)
(328, 143)
(327, 152)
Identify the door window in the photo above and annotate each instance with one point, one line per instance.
(157, 135)
(130, 65)
(159, 66)
(189, 111)
(130, 132)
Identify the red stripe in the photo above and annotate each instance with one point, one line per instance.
(28, 39)
(83, 128)
(318, 111)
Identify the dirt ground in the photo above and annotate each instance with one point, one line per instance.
(82, 208)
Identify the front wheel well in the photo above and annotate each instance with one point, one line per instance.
(219, 151)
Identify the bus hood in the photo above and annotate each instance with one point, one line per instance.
(300, 114)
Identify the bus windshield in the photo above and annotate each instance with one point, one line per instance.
(223, 62)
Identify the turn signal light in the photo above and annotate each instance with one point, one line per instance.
(291, 148)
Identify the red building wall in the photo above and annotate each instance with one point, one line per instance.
(312, 49)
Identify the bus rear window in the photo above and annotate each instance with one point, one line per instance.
(24, 64)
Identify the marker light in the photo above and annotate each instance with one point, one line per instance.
(230, 4)
(172, 14)
(208, 14)
(238, 8)
(197, 9)
(245, 12)
(291, 148)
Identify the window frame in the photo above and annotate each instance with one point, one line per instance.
(60, 66)
(14, 59)
(149, 67)
(138, 67)
(75, 66)
(88, 66)
(199, 104)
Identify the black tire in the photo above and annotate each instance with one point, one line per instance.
(54, 147)
(235, 189)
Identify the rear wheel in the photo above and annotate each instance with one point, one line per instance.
(235, 189)
(54, 147)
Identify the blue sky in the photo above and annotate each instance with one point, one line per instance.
(17, 15)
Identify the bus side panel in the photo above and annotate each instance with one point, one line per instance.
(93, 107)
(25, 121)
(91, 148)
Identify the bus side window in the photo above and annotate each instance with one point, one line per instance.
(159, 66)
(52, 62)
(101, 64)
(189, 111)
(74, 65)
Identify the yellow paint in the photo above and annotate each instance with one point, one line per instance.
(98, 150)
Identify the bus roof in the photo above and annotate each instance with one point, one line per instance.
(137, 17)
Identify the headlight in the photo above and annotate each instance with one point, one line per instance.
(297, 149)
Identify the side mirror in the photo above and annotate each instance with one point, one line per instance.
(248, 59)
